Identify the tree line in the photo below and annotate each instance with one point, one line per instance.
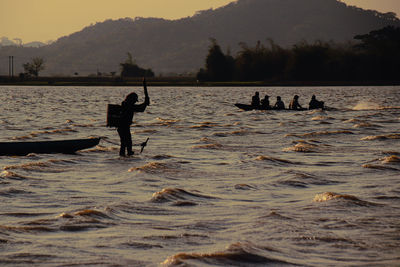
(370, 57)
(129, 68)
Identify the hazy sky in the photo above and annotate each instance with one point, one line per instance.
(44, 20)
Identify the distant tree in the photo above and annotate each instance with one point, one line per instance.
(380, 53)
(383, 39)
(309, 61)
(33, 68)
(130, 69)
(375, 57)
(219, 67)
(261, 63)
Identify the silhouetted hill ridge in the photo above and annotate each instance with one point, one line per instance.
(181, 45)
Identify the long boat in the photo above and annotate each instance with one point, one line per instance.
(46, 147)
(248, 107)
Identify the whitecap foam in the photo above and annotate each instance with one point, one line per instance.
(156, 167)
(327, 196)
(237, 254)
(177, 194)
(381, 137)
(366, 105)
(302, 147)
(390, 159)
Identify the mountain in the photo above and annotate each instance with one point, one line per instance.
(4, 41)
(181, 45)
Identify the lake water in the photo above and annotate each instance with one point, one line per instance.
(216, 186)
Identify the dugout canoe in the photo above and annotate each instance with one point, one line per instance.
(46, 147)
(247, 107)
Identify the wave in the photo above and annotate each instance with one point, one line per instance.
(275, 160)
(391, 153)
(100, 148)
(241, 132)
(161, 157)
(379, 167)
(303, 147)
(348, 199)
(389, 162)
(369, 105)
(47, 132)
(315, 111)
(322, 133)
(27, 229)
(178, 194)
(365, 125)
(204, 125)
(330, 196)
(13, 175)
(326, 239)
(381, 137)
(139, 245)
(164, 122)
(321, 118)
(40, 166)
(82, 125)
(354, 121)
(13, 192)
(304, 180)
(391, 159)
(244, 187)
(148, 131)
(366, 105)
(237, 254)
(275, 215)
(77, 221)
(208, 146)
(88, 213)
(156, 167)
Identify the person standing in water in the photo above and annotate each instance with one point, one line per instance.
(128, 108)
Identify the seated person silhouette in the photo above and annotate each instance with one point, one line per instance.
(315, 104)
(279, 103)
(265, 103)
(294, 104)
(255, 100)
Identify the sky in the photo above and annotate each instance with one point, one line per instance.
(48, 20)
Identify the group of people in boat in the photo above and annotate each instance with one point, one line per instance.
(264, 104)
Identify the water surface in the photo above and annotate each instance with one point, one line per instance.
(216, 186)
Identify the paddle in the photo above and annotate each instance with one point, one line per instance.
(144, 144)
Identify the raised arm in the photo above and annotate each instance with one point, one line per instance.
(146, 94)
(142, 107)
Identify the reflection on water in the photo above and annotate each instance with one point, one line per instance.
(216, 186)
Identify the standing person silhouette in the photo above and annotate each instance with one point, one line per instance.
(128, 108)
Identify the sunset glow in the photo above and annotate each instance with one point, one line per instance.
(44, 20)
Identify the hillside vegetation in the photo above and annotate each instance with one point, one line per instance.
(181, 46)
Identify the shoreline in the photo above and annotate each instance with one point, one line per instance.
(176, 82)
